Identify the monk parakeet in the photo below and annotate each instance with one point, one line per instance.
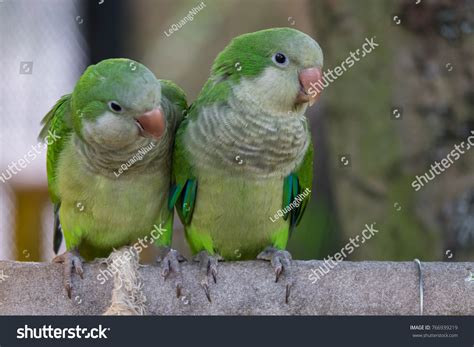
(244, 151)
(109, 171)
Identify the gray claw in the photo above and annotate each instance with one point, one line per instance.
(205, 286)
(70, 260)
(208, 268)
(281, 263)
(278, 272)
(170, 263)
(68, 290)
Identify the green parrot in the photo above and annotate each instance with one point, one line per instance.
(243, 153)
(109, 171)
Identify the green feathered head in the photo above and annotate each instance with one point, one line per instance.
(116, 102)
(273, 67)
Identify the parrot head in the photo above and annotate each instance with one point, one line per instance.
(116, 104)
(275, 68)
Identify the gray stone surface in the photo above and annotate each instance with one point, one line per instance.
(248, 288)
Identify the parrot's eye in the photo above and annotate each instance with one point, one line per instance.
(114, 106)
(280, 59)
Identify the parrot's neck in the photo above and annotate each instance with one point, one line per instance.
(246, 138)
(143, 156)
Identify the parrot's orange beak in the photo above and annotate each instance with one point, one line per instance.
(309, 81)
(152, 123)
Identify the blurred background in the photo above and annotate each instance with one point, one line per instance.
(379, 125)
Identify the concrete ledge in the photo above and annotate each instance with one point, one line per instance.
(248, 288)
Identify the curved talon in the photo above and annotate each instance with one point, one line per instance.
(170, 263)
(205, 286)
(213, 268)
(208, 268)
(165, 272)
(278, 272)
(77, 263)
(70, 260)
(281, 263)
(214, 276)
(68, 290)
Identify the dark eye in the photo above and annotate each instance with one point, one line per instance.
(280, 59)
(114, 106)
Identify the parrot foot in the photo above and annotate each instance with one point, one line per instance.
(170, 264)
(70, 259)
(208, 269)
(281, 262)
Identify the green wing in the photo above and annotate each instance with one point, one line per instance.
(176, 96)
(56, 121)
(299, 183)
(184, 182)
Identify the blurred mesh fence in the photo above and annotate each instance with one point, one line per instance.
(43, 52)
(7, 213)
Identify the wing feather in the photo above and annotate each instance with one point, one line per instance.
(57, 123)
